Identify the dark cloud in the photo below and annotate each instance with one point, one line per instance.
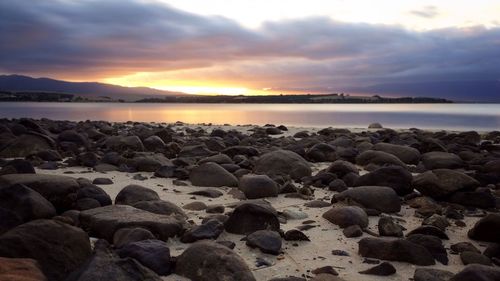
(428, 12)
(101, 38)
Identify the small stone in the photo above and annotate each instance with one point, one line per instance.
(383, 269)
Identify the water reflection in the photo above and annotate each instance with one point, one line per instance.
(431, 116)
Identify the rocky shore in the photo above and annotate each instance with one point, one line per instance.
(88, 201)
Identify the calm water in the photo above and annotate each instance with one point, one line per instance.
(425, 116)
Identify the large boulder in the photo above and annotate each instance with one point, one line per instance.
(134, 193)
(25, 145)
(103, 222)
(341, 168)
(58, 247)
(266, 241)
(486, 229)
(395, 177)
(209, 261)
(381, 198)
(347, 216)
(282, 162)
(161, 207)
(258, 186)
(442, 182)
(408, 155)
(395, 250)
(153, 254)
(477, 272)
(433, 244)
(106, 265)
(251, 216)
(378, 158)
(26, 203)
(20, 270)
(321, 152)
(213, 175)
(441, 160)
(121, 143)
(59, 190)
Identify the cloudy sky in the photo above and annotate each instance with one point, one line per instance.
(253, 46)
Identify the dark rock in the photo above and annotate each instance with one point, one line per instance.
(103, 222)
(352, 231)
(195, 206)
(347, 216)
(8, 220)
(375, 126)
(267, 241)
(378, 158)
(395, 250)
(321, 152)
(20, 270)
(18, 166)
(429, 230)
(209, 261)
(380, 198)
(59, 248)
(295, 235)
(441, 160)
(383, 269)
(282, 162)
(258, 186)
(161, 207)
(408, 155)
(469, 257)
(437, 221)
(317, 204)
(196, 151)
(249, 217)
(119, 143)
(248, 151)
(431, 274)
(218, 158)
(486, 229)
(215, 209)
(88, 159)
(477, 272)
(442, 182)
(337, 185)
(387, 227)
(25, 145)
(463, 246)
(432, 244)
(154, 143)
(342, 168)
(395, 177)
(479, 199)
(127, 235)
(102, 181)
(165, 171)
(211, 193)
(134, 193)
(209, 230)
(94, 192)
(212, 174)
(25, 203)
(153, 254)
(105, 265)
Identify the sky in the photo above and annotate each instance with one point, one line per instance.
(253, 46)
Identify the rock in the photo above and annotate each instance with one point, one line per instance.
(282, 162)
(106, 265)
(441, 160)
(8, 220)
(58, 190)
(102, 181)
(215, 209)
(218, 158)
(337, 185)
(437, 221)
(375, 126)
(18, 166)
(213, 175)
(432, 244)
(395, 250)
(154, 143)
(431, 274)
(326, 277)
(74, 137)
(479, 199)
(486, 229)
(408, 155)
(134, 193)
(258, 186)
(209, 230)
(196, 151)
(127, 235)
(94, 192)
(383, 269)
(442, 182)
(211, 193)
(120, 143)
(26, 203)
(266, 241)
(352, 231)
(20, 270)
(153, 254)
(248, 151)
(103, 222)
(429, 230)
(387, 227)
(477, 272)
(378, 158)
(464, 246)
(165, 171)
(209, 261)
(347, 216)
(469, 257)
(342, 168)
(292, 214)
(395, 177)
(161, 207)
(25, 145)
(59, 248)
(195, 206)
(295, 235)
(321, 152)
(249, 217)
(380, 198)
(317, 204)
(88, 159)
(325, 269)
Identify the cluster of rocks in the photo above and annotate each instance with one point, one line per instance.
(46, 220)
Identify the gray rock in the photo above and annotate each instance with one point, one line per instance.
(213, 175)
(342, 168)
(347, 216)
(469, 257)
(209, 230)
(352, 231)
(209, 192)
(153, 254)
(266, 241)
(282, 162)
(432, 274)
(120, 143)
(383, 269)
(380, 198)
(442, 182)
(395, 177)
(432, 244)
(408, 155)
(209, 261)
(477, 272)
(441, 160)
(387, 227)
(25, 203)
(25, 145)
(258, 186)
(249, 217)
(127, 235)
(102, 181)
(134, 193)
(378, 158)
(395, 250)
(161, 207)
(321, 152)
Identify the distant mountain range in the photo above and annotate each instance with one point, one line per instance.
(20, 83)
(459, 91)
